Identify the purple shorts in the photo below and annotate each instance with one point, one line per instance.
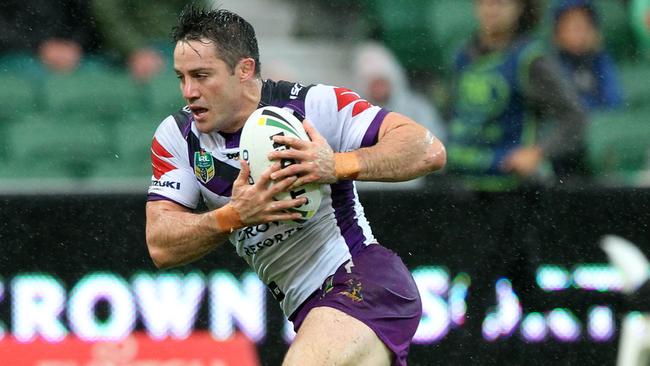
(379, 291)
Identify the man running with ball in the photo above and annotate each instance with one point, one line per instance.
(351, 300)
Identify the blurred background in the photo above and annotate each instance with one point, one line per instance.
(95, 78)
(544, 113)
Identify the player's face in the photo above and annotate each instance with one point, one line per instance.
(208, 84)
(497, 16)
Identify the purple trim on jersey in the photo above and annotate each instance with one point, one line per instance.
(219, 186)
(370, 138)
(298, 106)
(343, 204)
(157, 197)
(232, 139)
(188, 127)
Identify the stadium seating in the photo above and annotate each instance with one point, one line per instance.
(618, 144)
(93, 123)
(163, 93)
(616, 28)
(634, 80)
(106, 94)
(132, 155)
(16, 99)
(618, 141)
(451, 22)
(19, 93)
(405, 28)
(44, 145)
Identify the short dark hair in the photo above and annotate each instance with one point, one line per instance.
(231, 34)
(529, 17)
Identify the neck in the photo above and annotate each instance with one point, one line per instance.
(496, 40)
(250, 99)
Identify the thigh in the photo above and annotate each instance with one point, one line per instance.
(330, 337)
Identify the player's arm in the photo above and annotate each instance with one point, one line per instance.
(177, 236)
(404, 150)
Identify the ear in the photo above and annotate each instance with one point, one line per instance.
(246, 69)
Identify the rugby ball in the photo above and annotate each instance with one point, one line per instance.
(256, 142)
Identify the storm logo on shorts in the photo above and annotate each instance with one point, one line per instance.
(354, 290)
(203, 166)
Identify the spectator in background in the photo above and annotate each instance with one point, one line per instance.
(382, 80)
(579, 48)
(134, 31)
(503, 82)
(59, 33)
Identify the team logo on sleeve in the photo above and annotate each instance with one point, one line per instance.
(345, 97)
(203, 166)
(158, 159)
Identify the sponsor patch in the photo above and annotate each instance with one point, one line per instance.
(166, 184)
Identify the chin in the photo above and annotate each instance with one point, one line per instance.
(204, 126)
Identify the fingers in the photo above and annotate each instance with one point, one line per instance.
(301, 170)
(244, 174)
(285, 216)
(287, 204)
(282, 185)
(265, 178)
(280, 210)
(302, 180)
(291, 142)
(287, 154)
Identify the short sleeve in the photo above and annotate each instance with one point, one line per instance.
(346, 120)
(173, 178)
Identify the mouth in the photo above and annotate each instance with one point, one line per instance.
(198, 112)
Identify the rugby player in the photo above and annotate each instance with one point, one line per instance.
(351, 300)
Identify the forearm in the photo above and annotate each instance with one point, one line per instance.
(175, 238)
(404, 151)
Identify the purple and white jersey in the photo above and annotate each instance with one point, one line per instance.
(292, 259)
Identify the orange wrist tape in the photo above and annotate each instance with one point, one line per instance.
(346, 166)
(228, 219)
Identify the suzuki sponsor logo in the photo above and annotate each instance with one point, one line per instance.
(166, 184)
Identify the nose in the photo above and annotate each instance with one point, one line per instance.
(189, 89)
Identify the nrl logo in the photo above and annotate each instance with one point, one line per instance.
(203, 166)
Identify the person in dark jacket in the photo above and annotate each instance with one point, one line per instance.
(585, 61)
(503, 83)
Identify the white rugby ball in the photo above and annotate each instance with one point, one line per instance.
(256, 142)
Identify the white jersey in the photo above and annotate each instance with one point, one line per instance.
(292, 259)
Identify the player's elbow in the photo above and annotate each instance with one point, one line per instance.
(160, 257)
(436, 156)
